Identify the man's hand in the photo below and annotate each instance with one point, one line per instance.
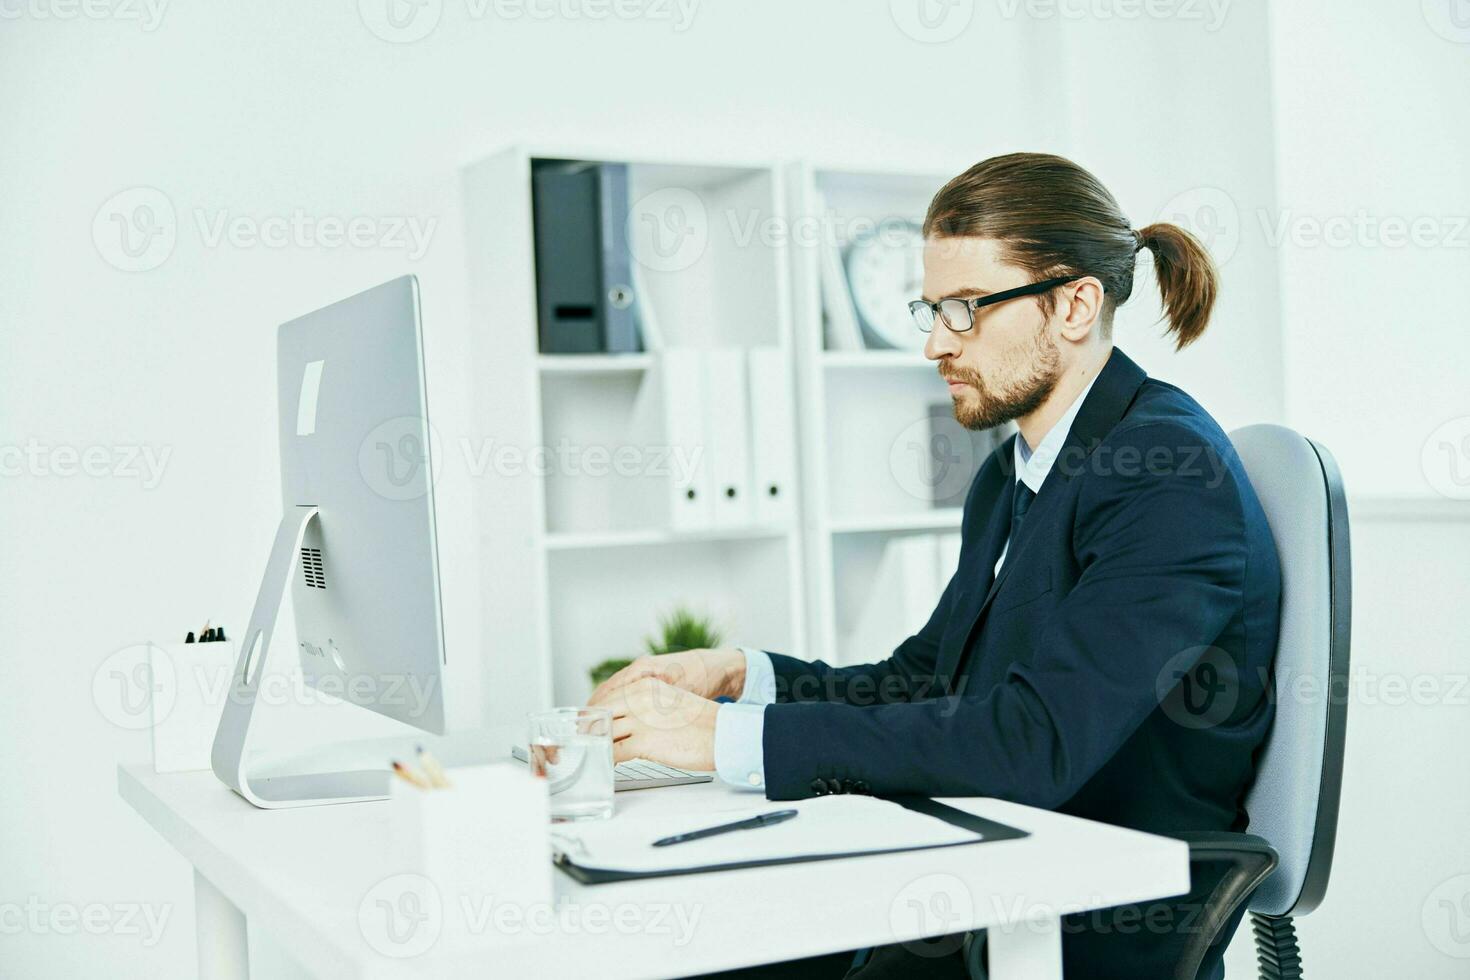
(707, 673)
(655, 720)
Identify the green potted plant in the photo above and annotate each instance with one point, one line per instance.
(681, 629)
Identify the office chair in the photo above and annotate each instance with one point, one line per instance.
(1279, 868)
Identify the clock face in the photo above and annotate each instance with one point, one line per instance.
(885, 270)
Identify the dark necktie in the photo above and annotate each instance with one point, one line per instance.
(1019, 505)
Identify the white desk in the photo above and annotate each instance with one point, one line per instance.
(302, 875)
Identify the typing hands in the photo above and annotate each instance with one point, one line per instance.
(663, 707)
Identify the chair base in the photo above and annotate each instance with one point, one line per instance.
(1277, 952)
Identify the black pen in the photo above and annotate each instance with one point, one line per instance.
(764, 820)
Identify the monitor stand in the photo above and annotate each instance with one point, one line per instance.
(228, 757)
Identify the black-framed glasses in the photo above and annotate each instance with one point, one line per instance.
(959, 314)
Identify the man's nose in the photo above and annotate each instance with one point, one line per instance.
(942, 342)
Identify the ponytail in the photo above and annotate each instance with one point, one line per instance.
(1187, 279)
(1053, 218)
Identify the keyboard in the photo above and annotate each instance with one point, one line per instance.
(647, 775)
(640, 773)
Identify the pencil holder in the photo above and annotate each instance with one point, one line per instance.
(189, 682)
(484, 835)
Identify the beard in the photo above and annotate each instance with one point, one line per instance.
(990, 405)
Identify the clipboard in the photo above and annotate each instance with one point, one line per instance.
(986, 831)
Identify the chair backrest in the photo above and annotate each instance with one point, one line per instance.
(1293, 804)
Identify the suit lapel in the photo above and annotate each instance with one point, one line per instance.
(992, 504)
(1106, 403)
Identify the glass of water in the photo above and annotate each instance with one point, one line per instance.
(571, 748)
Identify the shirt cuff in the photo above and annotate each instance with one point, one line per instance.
(739, 745)
(760, 678)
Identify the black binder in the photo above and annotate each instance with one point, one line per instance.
(584, 277)
(987, 831)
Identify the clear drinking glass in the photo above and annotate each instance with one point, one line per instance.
(571, 748)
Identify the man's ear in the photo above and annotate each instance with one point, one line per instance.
(1083, 308)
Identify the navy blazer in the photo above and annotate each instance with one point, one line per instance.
(1116, 669)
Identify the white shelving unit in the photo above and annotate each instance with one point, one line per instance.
(865, 425)
(579, 562)
(550, 364)
(935, 519)
(579, 565)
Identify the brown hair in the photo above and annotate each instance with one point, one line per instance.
(1054, 218)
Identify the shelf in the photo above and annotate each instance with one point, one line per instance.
(876, 359)
(586, 527)
(593, 363)
(603, 602)
(584, 540)
(939, 519)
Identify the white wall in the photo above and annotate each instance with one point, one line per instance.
(1401, 844)
(1138, 94)
(267, 110)
(1371, 141)
(1373, 138)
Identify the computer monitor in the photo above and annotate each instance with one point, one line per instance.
(357, 538)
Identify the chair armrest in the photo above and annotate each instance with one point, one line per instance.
(1247, 860)
(1244, 861)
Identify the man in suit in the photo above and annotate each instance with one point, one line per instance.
(1104, 645)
